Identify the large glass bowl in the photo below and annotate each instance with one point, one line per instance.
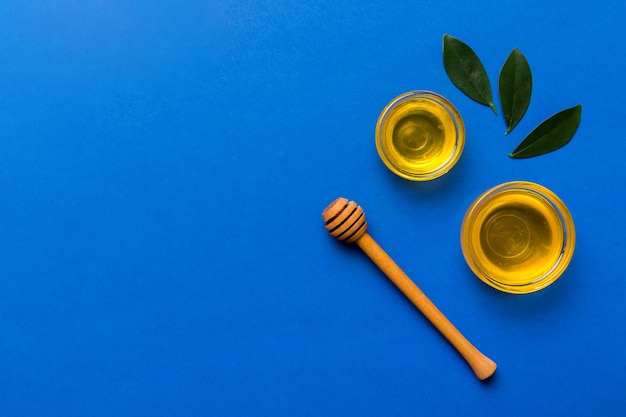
(518, 237)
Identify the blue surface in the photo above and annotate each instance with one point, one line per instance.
(163, 169)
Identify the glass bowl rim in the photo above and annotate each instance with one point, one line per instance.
(565, 220)
(459, 128)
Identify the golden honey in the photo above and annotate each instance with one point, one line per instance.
(420, 135)
(518, 237)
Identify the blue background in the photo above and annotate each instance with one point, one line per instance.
(163, 169)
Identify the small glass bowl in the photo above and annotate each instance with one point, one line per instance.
(518, 237)
(420, 135)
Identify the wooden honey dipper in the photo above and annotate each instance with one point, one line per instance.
(345, 221)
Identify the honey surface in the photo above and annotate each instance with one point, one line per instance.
(518, 237)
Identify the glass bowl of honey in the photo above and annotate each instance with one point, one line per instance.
(420, 135)
(518, 237)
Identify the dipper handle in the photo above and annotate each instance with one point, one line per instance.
(482, 366)
(345, 220)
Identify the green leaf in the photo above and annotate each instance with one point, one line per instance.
(515, 85)
(552, 134)
(466, 71)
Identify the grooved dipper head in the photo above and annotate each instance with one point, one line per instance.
(345, 220)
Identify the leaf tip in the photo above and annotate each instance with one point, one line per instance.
(493, 107)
